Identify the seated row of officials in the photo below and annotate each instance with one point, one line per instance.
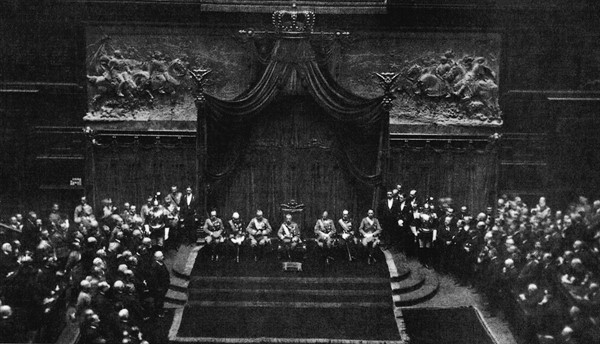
(227, 240)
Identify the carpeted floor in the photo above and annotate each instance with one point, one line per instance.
(238, 301)
(460, 325)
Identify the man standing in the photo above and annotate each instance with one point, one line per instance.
(174, 197)
(187, 214)
(159, 283)
(84, 214)
(259, 230)
(156, 223)
(388, 213)
(405, 218)
(370, 229)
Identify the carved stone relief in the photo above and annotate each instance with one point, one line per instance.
(140, 74)
(445, 78)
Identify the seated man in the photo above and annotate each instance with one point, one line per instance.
(214, 230)
(370, 229)
(347, 233)
(290, 241)
(326, 236)
(259, 230)
(237, 234)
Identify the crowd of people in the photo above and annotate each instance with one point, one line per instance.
(109, 265)
(539, 267)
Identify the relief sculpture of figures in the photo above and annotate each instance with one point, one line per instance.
(116, 81)
(468, 81)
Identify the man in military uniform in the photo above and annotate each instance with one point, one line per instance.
(290, 242)
(155, 224)
(259, 230)
(84, 214)
(214, 230)
(326, 236)
(174, 196)
(237, 235)
(348, 239)
(370, 229)
(426, 233)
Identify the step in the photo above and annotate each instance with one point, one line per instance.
(412, 298)
(177, 297)
(400, 274)
(179, 284)
(172, 305)
(262, 304)
(185, 260)
(290, 295)
(231, 282)
(408, 285)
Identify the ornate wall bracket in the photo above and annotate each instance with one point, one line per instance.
(387, 81)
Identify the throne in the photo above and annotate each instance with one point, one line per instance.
(297, 211)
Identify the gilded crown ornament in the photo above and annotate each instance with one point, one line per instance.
(293, 21)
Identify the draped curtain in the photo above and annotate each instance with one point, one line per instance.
(293, 69)
(295, 134)
(290, 154)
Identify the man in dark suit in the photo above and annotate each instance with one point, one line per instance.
(159, 283)
(187, 214)
(31, 232)
(388, 212)
(405, 219)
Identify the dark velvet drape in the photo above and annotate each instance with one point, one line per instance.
(293, 69)
(251, 139)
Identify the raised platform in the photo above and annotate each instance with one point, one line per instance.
(258, 302)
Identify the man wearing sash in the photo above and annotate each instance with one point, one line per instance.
(237, 235)
(348, 238)
(259, 230)
(172, 218)
(425, 229)
(326, 236)
(155, 224)
(213, 228)
(289, 238)
(370, 229)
